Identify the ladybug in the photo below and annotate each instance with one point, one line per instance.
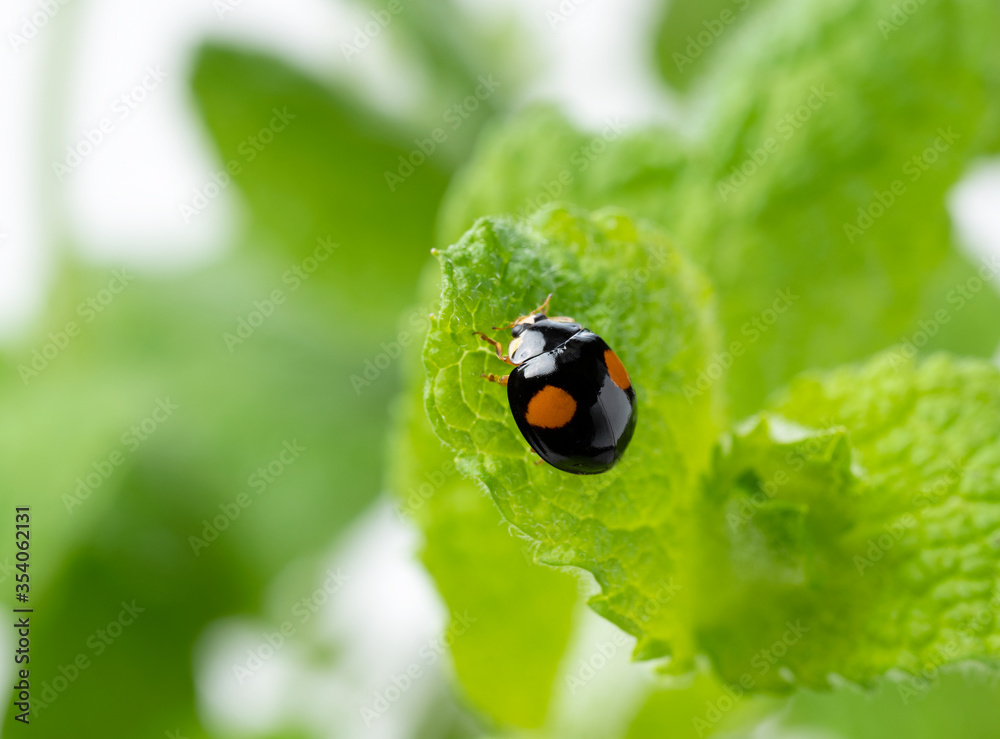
(569, 393)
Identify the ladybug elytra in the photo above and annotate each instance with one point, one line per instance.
(569, 393)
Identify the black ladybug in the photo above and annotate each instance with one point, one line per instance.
(570, 394)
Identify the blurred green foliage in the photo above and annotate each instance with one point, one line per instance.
(805, 120)
(242, 392)
(293, 379)
(690, 34)
(323, 177)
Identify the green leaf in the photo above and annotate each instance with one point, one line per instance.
(812, 111)
(91, 677)
(867, 547)
(777, 525)
(285, 374)
(322, 176)
(631, 285)
(538, 157)
(129, 535)
(917, 585)
(820, 110)
(453, 51)
(700, 708)
(692, 32)
(507, 660)
(849, 530)
(948, 704)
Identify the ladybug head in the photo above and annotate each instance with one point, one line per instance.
(524, 322)
(539, 334)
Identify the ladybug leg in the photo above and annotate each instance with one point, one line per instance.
(496, 345)
(562, 319)
(500, 380)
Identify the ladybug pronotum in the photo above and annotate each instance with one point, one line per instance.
(569, 393)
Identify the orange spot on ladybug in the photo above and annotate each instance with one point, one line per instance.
(617, 370)
(550, 408)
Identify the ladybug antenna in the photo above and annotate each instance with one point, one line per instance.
(544, 307)
(540, 310)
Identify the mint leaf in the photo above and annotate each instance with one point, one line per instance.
(850, 529)
(118, 493)
(702, 707)
(810, 111)
(776, 523)
(919, 585)
(834, 133)
(538, 157)
(867, 547)
(691, 33)
(507, 659)
(957, 703)
(631, 285)
(752, 569)
(321, 178)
